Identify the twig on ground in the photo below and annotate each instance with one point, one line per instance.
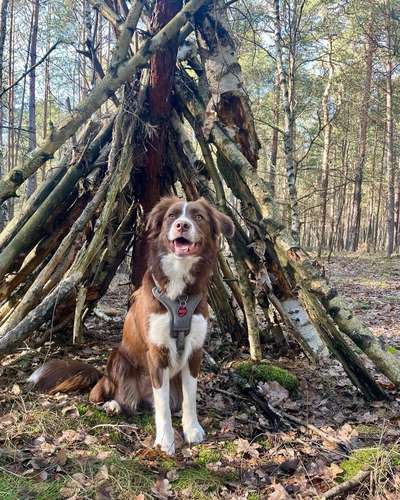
(347, 485)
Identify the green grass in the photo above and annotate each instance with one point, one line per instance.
(13, 487)
(267, 372)
(129, 477)
(92, 416)
(145, 421)
(198, 482)
(359, 459)
(392, 350)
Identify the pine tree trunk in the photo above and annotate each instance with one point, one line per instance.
(31, 184)
(354, 230)
(326, 123)
(3, 31)
(162, 71)
(389, 147)
(275, 132)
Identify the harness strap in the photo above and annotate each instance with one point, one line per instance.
(180, 314)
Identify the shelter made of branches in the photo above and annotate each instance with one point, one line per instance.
(181, 123)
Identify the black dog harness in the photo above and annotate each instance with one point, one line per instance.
(180, 314)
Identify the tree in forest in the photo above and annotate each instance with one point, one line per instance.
(31, 184)
(3, 28)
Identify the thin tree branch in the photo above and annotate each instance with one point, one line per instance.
(31, 68)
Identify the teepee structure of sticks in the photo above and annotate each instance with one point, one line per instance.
(182, 121)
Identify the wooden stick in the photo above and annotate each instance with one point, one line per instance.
(77, 334)
(347, 485)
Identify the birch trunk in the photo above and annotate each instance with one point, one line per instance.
(288, 130)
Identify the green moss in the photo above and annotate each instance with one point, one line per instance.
(13, 487)
(145, 421)
(365, 457)
(208, 455)
(253, 496)
(198, 482)
(266, 372)
(167, 464)
(392, 350)
(265, 443)
(230, 447)
(369, 430)
(92, 416)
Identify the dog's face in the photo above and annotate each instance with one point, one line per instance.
(187, 228)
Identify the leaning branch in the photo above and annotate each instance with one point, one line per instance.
(121, 72)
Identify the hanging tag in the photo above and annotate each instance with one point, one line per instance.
(182, 311)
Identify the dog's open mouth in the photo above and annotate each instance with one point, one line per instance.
(183, 247)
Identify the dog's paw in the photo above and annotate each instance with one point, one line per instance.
(166, 442)
(194, 433)
(112, 407)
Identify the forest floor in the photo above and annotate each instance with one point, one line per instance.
(61, 446)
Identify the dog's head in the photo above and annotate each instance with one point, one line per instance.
(187, 228)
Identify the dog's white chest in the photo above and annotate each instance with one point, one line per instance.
(160, 335)
(178, 273)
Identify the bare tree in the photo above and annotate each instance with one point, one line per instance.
(31, 184)
(354, 230)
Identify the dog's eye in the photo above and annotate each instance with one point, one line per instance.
(171, 216)
(199, 217)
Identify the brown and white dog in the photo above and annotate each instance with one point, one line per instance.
(149, 367)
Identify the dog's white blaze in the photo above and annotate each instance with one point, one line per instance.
(192, 234)
(177, 270)
(193, 431)
(164, 429)
(35, 377)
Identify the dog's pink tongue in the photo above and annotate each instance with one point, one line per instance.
(182, 248)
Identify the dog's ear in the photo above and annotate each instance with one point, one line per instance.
(220, 223)
(156, 216)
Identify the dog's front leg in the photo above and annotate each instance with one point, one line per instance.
(192, 430)
(157, 359)
(164, 429)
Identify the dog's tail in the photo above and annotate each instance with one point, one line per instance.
(59, 375)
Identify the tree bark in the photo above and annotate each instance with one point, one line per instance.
(31, 184)
(275, 132)
(3, 31)
(389, 144)
(162, 71)
(288, 130)
(326, 123)
(354, 230)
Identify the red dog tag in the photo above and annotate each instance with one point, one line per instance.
(182, 311)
